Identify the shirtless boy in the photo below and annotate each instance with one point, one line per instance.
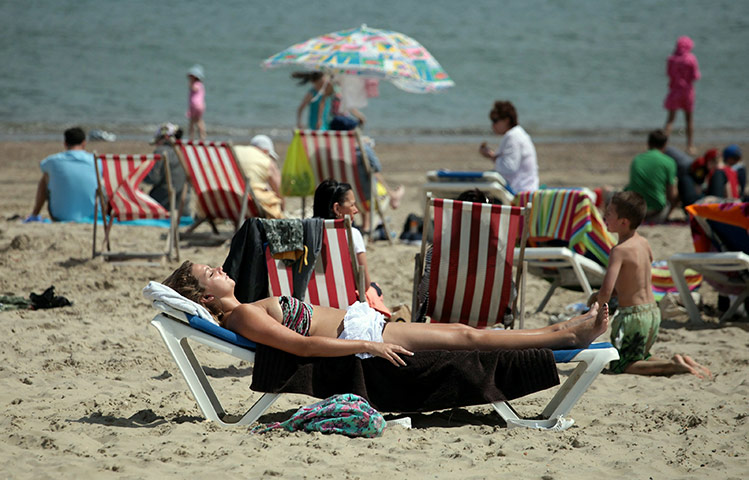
(638, 318)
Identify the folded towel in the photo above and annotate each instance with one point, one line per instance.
(431, 380)
(158, 292)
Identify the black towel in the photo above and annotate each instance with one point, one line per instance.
(431, 380)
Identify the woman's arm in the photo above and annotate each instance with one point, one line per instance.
(305, 101)
(508, 157)
(254, 323)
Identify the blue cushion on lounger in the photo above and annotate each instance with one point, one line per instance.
(220, 332)
(564, 356)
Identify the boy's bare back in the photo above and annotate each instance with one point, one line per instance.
(631, 260)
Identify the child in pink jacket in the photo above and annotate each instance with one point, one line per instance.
(683, 71)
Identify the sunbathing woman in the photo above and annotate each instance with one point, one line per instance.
(301, 329)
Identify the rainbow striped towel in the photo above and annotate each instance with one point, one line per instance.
(569, 215)
(663, 283)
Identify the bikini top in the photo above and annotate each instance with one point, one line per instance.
(296, 314)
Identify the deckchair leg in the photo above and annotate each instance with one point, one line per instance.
(677, 274)
(195, 225)
(557, 281)
(96, 221)
(590, 363)
(198, 382)
(734, 306)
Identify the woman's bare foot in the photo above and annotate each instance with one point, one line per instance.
(589, 315)
(586, 331)
(396, 196)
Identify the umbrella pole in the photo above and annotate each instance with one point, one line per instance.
(304, 209)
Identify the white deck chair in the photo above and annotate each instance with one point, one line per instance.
(557, 262)
(449, 184)
(727, 270)
(591, 361)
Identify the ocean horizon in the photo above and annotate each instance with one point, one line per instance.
(575, 70)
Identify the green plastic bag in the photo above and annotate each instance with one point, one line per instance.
(297, 179)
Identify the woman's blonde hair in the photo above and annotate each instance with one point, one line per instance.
(186, 284)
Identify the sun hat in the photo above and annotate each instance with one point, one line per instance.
(732, 151)
(165, 130)
(263, 142)
(197, 72)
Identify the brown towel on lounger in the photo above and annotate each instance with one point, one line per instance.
(431, 380)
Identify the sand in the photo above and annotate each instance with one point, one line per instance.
(89, 391)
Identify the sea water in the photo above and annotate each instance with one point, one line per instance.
(573, 68)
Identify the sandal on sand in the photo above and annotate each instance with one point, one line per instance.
(396, 196)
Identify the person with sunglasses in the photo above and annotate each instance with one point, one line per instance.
(515, 159)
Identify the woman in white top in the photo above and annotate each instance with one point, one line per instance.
(334, 199)
(515, 159)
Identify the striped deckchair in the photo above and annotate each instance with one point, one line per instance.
(120, 198)
(567, 217)
(336, 278)
(221, 187)
(470, 271)
(332, 154)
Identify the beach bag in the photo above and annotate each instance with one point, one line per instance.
(297, 179)
(346, 414)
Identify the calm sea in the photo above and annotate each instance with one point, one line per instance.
(573, 68)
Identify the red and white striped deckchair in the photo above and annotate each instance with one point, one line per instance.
(120, 198)
(332, 154)
(336, 278)
(221, 187)
(470, 275)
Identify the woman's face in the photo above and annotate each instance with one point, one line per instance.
(347, 206)
(501, 126)
(214, 280)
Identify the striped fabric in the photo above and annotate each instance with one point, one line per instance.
(471, 269)
(735, 214)
(119, 180)
(663, 282)
(332, 154)
(570, 216)
(333, 282)
(217, 179)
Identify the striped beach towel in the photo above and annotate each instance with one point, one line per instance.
(663, 283)
(568, 215)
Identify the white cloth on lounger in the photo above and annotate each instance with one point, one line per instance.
(362, 322)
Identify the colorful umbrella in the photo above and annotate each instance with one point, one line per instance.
(369, 52)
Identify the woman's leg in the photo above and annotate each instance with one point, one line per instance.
(690, 133)
(576, 333)
(669, 122)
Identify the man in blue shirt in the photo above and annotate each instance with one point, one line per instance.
(68, 182)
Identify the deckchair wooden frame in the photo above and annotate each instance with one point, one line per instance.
(110, 203)
(520, 273)
(340, 164)
(338, 280)
(218, 180)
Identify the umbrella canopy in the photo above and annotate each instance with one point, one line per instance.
(369, 52)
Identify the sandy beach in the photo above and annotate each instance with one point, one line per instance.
(90, 391)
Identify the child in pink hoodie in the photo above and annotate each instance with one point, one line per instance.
(683, 71)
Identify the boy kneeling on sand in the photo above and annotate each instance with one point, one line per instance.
(635, 327)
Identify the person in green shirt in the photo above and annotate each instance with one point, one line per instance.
(653, 175)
